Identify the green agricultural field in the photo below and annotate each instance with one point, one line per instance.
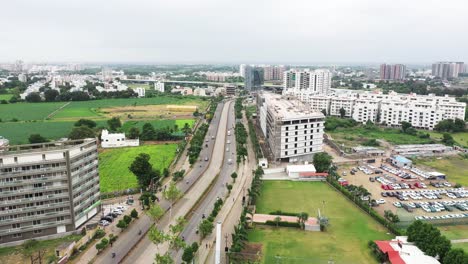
(345, 239)
(146, 86)
(157, 123)
(19, 132)
(5, 96)
(454, 232)
(455, 167)
(28, 111)
(114, 163)
(355, 136)
(461, 138)
(90, 109)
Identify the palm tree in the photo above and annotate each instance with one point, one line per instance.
(302, 218)
(277, 221)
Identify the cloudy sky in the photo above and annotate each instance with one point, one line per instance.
(234, 31)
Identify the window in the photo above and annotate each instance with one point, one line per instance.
(15, 226)
(286, 140)
(60, 218)
(318, 130)
(16, 159)
(295, 145)
(295, 139)
(286, 146)
(285, 153)
(36, 222)
(16, 235)
(287, 134)
(287, 128)
(310, 149)
(295, 151)
(37, 231)
(296, 127)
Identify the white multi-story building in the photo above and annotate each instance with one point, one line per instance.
(422, 111)
(140, 91)
(117, 140)
(292, 130)
(307, 81)
(159, 86)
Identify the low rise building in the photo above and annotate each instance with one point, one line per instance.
(400, 161)
(47, 189)
(117, 140)
(400, 251)
(292, 130)
(422, 150)
(368, 151)
(140, 91)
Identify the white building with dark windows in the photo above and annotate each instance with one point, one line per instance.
(47, 189)
(422, 111)
(306, 81)
(117, 140)
(292, 130)
(159, 86)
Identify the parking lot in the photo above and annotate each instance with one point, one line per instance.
(411, 193)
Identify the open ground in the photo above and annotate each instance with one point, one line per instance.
(114, 163)
(345, 239)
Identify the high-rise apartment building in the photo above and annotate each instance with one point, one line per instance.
(48, 188)
(291, 129)
(396, 72)
(253, 78)
(307, 81)
(273, 72)
(242, 70)
(447, 70)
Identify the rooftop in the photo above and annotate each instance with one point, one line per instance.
(48, 146)
(400, 251)
(289, 107)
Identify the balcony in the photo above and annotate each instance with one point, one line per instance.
(32, 227)
(32, 172)
(35, 189)
(34, 199)
(32, 181)
(34, 217)
(34, 208)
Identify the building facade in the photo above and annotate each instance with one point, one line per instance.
(447, 70)
(48, 188)
(159, 86)
(117, 140)
(422, 111)
(396, 72)
(306, 81)
(292, 130)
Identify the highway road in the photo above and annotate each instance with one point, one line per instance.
(218, 189)
(130, 238)
(145, 251)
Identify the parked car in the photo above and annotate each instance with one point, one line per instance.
(380, 201)
(104, 223)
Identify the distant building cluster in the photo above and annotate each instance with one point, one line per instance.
(219, 76)
(393, 72)
(293, 131)
(422, 111)
(306, 82)
(448, 70)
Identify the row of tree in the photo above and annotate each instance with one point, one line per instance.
(241, 140)
(429, 239)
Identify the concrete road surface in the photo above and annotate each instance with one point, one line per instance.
(130, 238)
(146, 250)
(218, 189)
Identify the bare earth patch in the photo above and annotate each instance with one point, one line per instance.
(147, 111)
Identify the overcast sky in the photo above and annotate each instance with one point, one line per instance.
(234, 31)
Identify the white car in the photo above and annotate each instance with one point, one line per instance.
(397, 204)
(103, 223)
(121, 208)
(117, 211)
(380, 201)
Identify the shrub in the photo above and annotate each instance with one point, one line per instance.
(99, 234)
(134, 213)
(283, 224)
(279, 212)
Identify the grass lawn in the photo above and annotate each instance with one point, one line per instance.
(461, 138)
(28, 111)
(15, 254)
(463, 246)
(355, 136)
(345, 240)
(114, 163)
(455, 167)
(146, 86)
(454, 232)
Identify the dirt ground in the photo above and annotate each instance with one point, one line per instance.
(360, 178)
(146, 111)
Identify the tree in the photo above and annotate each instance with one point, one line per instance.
(142, 169)
(456, 256)
(127, 219)
(134, 213)
(81, 132)
(178, 175)
(277, 220)
(322, 161)
(189, 252)
(172, 194)
(164, 259)
(448, 140)
(155, 212)
(404, 126)
(85, 122)
(157, 236)
(114, 123)
(458, 125)
(205, 228)
(134, 133)
(234, 176)
(33, 97)
(165, 173)
(148, 132)
(30, 246)
(302, 218)
(122, 224)
(186, 129)
(50, 95)
(342, 112)
(36, 138)
(176, 128)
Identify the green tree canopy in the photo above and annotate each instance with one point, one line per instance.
(81, 132)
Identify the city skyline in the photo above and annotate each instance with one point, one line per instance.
(205, 32)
